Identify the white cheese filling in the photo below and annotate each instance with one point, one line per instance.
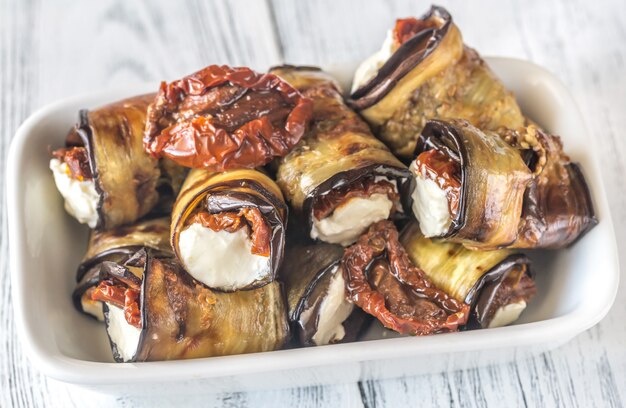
(430, 205)
(220, 259)
(92, 307)
(369, 68)
(507, 314)
(124, 335)
(351, 219)
(333, 311)
(81, 197)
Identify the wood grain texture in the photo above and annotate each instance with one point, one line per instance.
(50, 50)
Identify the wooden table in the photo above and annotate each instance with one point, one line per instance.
(50, 50)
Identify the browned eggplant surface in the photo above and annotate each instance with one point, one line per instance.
(339, 178)
(497, 284)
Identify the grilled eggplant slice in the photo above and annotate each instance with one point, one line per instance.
(339, 178)
(228, 229)
(469, 185)
(319, 310)
(116, 246)
(425, 72)
(104, 174)
(382, 280)
(178, 318)
(496, 284)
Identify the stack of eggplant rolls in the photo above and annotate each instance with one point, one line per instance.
(236, 212)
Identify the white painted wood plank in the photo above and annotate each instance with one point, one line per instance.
(54, 49)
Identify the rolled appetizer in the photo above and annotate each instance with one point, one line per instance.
(103, 173)
(382, 280)
(340, 178)
(167, 315)
(115, 247)
(422, 72)
(558, 208)
(222, 118)
(319, 310)
(490, 190)
(228, 229)
(496, 284)
(469, 185)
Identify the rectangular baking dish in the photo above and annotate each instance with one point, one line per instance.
(576, 286)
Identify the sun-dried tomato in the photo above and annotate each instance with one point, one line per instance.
(419, 308)
(223, 118)
(260, 236)
(120, 296)
(77, 161)
(406, 28)
(131, 307)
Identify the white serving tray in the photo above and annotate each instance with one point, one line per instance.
(576, 286)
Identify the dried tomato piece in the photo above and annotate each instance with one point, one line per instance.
(131, 307)
(77, 161)
(223, 118)
(406, 28)
(409, 303)
(120, 296)
(233, 221)
(107, 291)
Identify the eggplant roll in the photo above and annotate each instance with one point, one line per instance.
(383, 281)
(339, 178)
(116, 246)
(103, 173)
(492, 190)
(496, 284)
(469, 185)
(168, 315)
(319, 311)
(228, 229)
(558, 208)
(422, 72)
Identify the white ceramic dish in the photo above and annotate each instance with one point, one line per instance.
(577, 286)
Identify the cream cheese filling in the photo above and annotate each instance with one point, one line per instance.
(92, 307)
(81, 197)
(369, 68)
(220, 259)
(348, 221)
(333, 311)
(507, 314)
(430, 205)
(124, 335)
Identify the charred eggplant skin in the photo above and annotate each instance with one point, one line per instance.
(231, 191)
(338, 150)
(493, 181)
